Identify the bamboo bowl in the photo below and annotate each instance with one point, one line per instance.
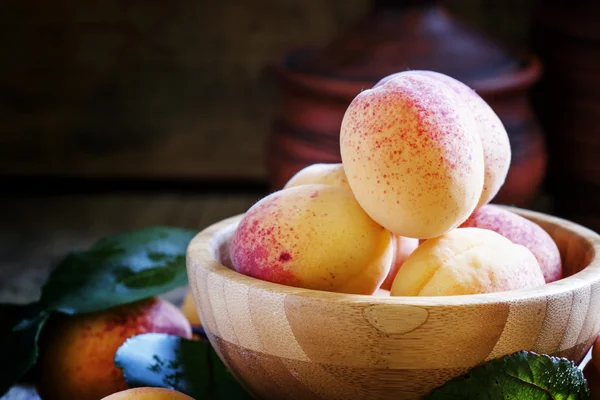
(287, 343)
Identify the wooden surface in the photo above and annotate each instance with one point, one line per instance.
(169, 89)
(36, 231)
(290, 343)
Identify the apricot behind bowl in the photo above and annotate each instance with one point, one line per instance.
(315, 237)
(404, 248)
(520, 231)
(188, 308)
(289, 343)
(325, 174)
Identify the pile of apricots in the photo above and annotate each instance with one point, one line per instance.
(406, 213)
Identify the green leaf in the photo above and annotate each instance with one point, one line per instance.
(119, 269)
(519, 376)
(189, 366)
(19, 333)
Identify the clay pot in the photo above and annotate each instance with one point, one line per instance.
(567, 37)
(318, 84)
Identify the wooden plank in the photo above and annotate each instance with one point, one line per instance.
(38, 231)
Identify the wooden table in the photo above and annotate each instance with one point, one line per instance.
(37, 231)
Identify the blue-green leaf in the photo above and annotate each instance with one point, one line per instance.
(119, 269)
(188, 366)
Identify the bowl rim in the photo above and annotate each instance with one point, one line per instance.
(201, 253)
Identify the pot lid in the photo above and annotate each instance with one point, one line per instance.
(393, 39)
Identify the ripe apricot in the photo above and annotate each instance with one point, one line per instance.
(412, 156)
(77, 352)
(494, 139)
(521, 231)
(313, 236)
(467, 261)
(148, 393)
(326, 174)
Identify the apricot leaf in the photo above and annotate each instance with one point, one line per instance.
(188, 366)
(19, 332)
(119, 269)
(519, 376)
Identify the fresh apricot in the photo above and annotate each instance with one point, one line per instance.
(313, 236)
(494, 139)
(148, 393)
(77, 352)
(326, 174)
(467, 261)
(412, 156)
(521, 231)
(404, 248)
(188, 308)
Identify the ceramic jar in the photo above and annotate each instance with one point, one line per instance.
(318, 83)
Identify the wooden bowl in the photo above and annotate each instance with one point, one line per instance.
(288, 343)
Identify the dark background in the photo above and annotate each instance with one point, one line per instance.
(123, 114)
(170, 90)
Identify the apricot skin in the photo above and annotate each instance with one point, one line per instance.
(188, 308)
(148, 393)
(412, 156)
(315, 237)
(325, 174)
(521, 231)
(404, 248)
(467, 261)
(77, 352)
(494, 139)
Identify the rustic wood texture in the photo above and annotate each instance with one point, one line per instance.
(290, 343)
(38, 231)
(164, 89)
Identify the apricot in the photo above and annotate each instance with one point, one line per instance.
(494, 139)
(313, 236)
(467, 261)
(412, 156)
(188, 308)
(326, 174)
(77, 352)
(521, 231)
(404, 248)
(148, 393)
